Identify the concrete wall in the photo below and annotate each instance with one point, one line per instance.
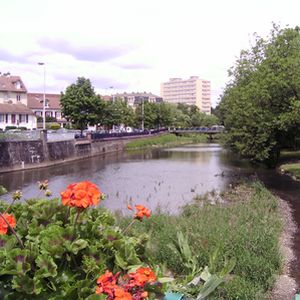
(17, 155)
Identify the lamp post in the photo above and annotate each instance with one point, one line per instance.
(44, 97)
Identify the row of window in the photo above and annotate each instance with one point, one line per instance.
(55, 114)
(13, 118)
(7, 96)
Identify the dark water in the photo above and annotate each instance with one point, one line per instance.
(164, 178)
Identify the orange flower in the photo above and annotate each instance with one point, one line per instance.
(107, 283)
(121, 294)
(10, 219)
(82, 194)
(142, 276)
(129, 207)
(142, 212)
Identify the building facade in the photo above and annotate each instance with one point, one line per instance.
(13, 104)
(134, 99)
(52, 106)
(192, 91)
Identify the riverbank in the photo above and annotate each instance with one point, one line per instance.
(165, 140)
(291, 169)
(243, 224)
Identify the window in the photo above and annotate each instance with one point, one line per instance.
(1, 118)
(18, 96)
(6, 118)
(22, 118)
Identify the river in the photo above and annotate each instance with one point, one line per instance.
(162, 179)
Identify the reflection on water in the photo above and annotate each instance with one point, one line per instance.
(160, 178)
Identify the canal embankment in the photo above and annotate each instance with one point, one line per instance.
(31, 154)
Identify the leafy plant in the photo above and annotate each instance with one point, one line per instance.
(60, 251)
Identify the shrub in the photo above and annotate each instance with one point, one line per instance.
(10, 127)
(55, 126)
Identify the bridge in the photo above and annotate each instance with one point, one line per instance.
(202, 130)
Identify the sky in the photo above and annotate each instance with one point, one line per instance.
(132, 45)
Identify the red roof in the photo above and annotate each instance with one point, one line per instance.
(18, 108)
(35, 100)
(12, 84)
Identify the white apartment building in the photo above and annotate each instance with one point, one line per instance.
(192, 91)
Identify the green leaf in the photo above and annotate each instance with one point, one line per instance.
(120, 261)
(47, 266)
(24, 283)
(78, 245)
(209, 286)
(165, 279)
(17, 263)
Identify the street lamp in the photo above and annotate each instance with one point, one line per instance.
(44, 98)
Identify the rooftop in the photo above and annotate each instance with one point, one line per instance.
(12, 84)
(35, 100)
(18, 108)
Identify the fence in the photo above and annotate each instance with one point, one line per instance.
(99, 135)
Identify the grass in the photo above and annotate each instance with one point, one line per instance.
(165, 140)
(290, 154)
(292, 169)
(246, 228)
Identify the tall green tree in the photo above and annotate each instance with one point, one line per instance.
(116, 113)
(146, 111)
(261, 104)
(80, 104)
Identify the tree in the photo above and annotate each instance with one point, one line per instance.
(260, 105)
(116, 113)
(146, 111)
(80, 104)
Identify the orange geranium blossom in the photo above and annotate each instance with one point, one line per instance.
(107, 283)
(142, 276)
(3, 225)
(141, 212)
(81, 194)
(128, 287)
(121, 294)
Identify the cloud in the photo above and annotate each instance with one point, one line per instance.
(134, 66)
(13, 58)
(94, 53)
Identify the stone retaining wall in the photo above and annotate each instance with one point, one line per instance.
(18, 155)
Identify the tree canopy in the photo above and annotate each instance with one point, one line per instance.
(80, 104)
(260, 105)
